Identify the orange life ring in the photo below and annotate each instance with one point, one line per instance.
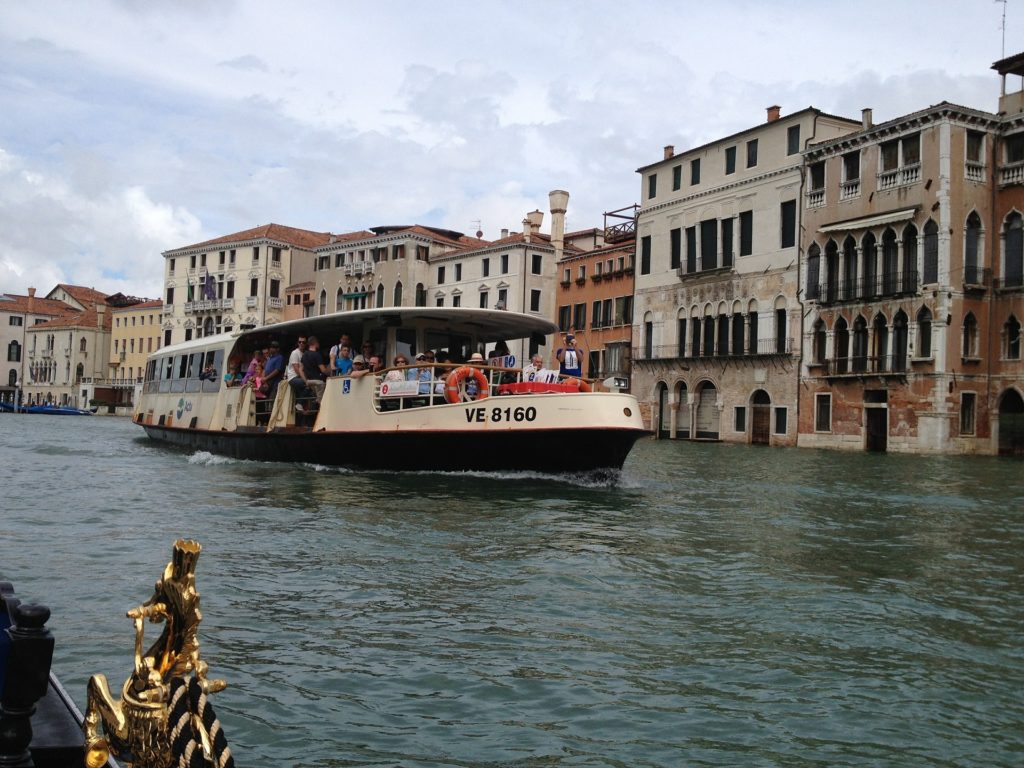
(453, 384)
(579, 384)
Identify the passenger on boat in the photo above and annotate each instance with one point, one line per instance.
(395, 374)
(472, 390)
(273, 370)
(344, 341)
(255, 368)
(209, 373)
(343, 361)
(293, 372)
(368, 351)
(536, 364)
(423, 374)
(233, 378)
(359, 368)
(375, 365)
(314, 370)
(569, 360)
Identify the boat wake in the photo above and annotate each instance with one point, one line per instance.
(596, 478)
(207, 459)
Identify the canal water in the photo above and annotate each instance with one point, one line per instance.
(715, 605)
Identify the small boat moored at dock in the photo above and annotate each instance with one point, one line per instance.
(454, 413)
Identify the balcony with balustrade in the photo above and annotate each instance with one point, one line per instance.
(867, 288)
(864, 365)
(899, 177)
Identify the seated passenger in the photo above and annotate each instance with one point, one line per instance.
(359, 368)
(536, 364)
(423, 374)
(255, 368)
(395, 374)
(233, 378)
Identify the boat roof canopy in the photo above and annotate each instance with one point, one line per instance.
(482, 324)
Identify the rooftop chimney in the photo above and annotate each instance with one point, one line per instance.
(101, 310)
(558, 199)
(504, 232)
(773, 113)
(865, 118)
(670, 151)
(31, 299)
(527, 229)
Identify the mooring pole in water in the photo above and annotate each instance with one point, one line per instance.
(29, 654)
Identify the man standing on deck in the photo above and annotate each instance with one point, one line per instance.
(273, 370)
(314, 370)
(569, 362)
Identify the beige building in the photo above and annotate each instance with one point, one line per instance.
(135, 333)
(717, 318)
(221, 284)
(913, 286)
(68, 356)
(595, 295)
(17, 315)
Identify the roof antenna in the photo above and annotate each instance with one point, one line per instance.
(479, 226)
(1004, 2)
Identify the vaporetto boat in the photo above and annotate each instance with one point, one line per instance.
(462, 417)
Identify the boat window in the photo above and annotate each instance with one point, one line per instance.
(458, 347)
(180, 368)
(214, 357)
(405, 343)
(166, 370)
(195, 367)
(379, 339)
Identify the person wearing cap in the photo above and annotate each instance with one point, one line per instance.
(359, 368)
(471, 386)
(569, 361)
(423, 374)
(273, 370)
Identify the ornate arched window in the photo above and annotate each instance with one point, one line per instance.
(813, 271)
(398, 294)
(970, 336)
(1011, 336)
(972, 250)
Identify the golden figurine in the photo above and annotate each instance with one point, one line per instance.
(163, 711)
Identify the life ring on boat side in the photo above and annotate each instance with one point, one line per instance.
(453, 384)
(579, 384)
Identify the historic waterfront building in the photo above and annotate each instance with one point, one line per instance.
(912, 283)
(384, 267)
(595, 295)
(135, 333)
(418, 265)
(716, 318)
(68, 355)
(237, 279)
(17, 314)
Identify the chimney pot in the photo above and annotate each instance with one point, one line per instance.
(773, 113)
(504, 232)
(865, 118)
(670, 151)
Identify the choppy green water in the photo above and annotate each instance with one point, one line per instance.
(718, 606)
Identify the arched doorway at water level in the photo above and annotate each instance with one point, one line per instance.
(761, 420)
(663, 415)
(1011, 424)
(707, 426)
(682, 412)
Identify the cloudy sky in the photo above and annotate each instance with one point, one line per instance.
(131, 127)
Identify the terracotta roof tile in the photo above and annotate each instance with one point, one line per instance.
(16, 303)
(300, 238)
